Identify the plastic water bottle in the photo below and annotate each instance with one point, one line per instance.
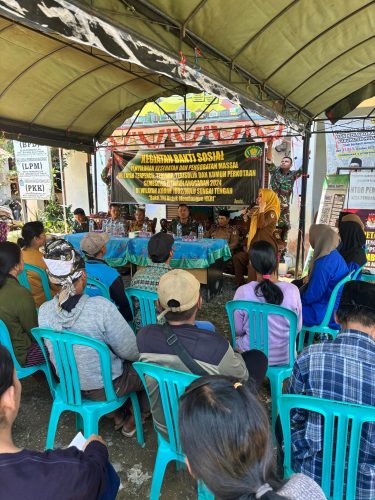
(200, 232)
(91, 225)
(104, 225)
(145, 227)
(179, 230)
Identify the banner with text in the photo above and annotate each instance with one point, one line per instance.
(200, 176)
(362, 190)
(346, 147)
(34, 170)
(368, 219)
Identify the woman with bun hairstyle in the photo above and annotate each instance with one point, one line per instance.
(226, 438)
(268, 289)
(33, 239)
(17, 307)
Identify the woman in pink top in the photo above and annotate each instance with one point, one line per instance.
(268, 289)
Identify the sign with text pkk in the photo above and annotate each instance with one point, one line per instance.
(200, 176)
(34, 170)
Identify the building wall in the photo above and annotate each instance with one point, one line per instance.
(75, 176)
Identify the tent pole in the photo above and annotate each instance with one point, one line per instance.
(302, 217)
(95, 180)
(63, 188)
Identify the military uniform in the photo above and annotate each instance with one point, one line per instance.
(282, 184)
(228, 233)
(191, 226)
(137, 226)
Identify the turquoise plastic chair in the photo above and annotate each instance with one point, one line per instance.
(96, 285)
(24, 279)
(343, 423)
(358, 272)
(147, 306)
(258, 313)
(22, 372)
(368, 277)
(67, 396)
(171, 384)
(324, 328)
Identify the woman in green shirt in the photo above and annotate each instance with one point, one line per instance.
(17, 307)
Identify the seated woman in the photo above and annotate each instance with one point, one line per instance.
(34, 238)
(268, 289)
(327, 268)
(17, 307)
(353, 241)
(33, 474)
(95, 317)
(225, 435)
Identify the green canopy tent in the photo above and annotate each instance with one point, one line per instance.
(73, 70)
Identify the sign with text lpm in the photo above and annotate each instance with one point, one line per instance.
(34, 170)
(200, 176)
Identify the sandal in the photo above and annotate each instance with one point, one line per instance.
(120, 424)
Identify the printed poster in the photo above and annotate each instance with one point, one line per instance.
(344, 147)
(33, 164)
(368, 219)
(362, 190)
(332, 201)
(211, 175)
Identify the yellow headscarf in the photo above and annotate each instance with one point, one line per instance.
(272, 203)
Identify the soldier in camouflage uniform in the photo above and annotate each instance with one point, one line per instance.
(140, 219)
(188, 224)
(282, 183)
(224, 231)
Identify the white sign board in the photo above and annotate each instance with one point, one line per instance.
(34, 170)
(362, 190)
(345, 147)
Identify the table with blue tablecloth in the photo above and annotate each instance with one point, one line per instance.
(204, 258)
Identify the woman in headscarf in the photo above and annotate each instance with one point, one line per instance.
(353, 240)
(327, 268)
(95, 317)
(263, 223)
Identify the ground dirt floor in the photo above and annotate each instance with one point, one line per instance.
(133, 463)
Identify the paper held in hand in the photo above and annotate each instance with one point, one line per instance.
(78, 441)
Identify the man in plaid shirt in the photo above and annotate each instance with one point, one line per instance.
(343, 370)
